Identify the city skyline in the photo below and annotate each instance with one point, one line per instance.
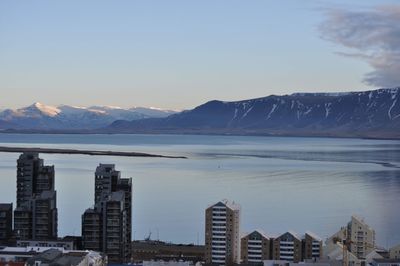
(178, 55)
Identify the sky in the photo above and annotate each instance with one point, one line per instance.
(179, 54)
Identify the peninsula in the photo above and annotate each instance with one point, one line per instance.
(85, 152)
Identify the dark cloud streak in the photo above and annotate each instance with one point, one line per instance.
(371, 35)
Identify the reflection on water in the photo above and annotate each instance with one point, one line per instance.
(281, 183)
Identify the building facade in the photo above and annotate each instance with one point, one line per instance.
(107, 226)
(67, 243)
(5, 223)
(360, 236)
(312, 246)
(222, 233)
(288, 246)
(35, 216)
(255, 248)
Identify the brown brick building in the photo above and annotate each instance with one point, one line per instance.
(288, 246)
(255, 247)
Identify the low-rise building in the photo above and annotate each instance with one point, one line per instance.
(67, 243)
(372, 256)
(386, 262)
(334, 251)
(153, 250)
(394, 252)
(20, 254)
(55, 257)
(36, 256)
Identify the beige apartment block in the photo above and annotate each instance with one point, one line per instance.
(287, 246)
(312, 248)
(255, 247)
(361, 237)
(222, 233)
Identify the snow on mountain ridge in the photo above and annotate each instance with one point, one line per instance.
(44, 109)
(39, 115)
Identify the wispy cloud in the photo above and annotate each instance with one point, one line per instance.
(373, 36)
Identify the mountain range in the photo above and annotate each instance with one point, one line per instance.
(39, 116)
(372, 114)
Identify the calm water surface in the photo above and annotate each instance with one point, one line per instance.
(281, 183)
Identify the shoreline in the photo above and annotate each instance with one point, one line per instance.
(86, 152)
(215, 133)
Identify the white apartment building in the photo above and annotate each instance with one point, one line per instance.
(222, 233)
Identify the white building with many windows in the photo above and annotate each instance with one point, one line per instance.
(222, 233)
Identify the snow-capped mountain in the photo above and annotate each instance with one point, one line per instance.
(40, 116)
(368, 114)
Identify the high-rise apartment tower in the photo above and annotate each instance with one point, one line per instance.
(222, 233)
(107, 226)
(35, 216)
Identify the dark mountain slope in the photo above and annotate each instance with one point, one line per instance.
(367, 114)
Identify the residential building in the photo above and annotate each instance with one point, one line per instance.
(222, 239)
(372, 256)
(312, 246)
(67, 243)
(5, 223)
(50, 256)
(107, 226)
(255, 247)
(333, 251)
(35, 216)
(287, 246)
(57, 257)
(108, 180)
(92, 225)
(386, 262)
(394, 252)
(359, 237)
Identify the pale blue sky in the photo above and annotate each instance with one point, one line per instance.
(170, 54)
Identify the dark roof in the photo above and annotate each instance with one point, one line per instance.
(54, 257)
(47, 256)
(68, 260)
(5, 206)
(387, 260)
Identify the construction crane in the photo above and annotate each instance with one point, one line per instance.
(148, 238)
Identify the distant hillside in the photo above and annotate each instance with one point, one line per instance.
(356, 114)
(44, 117)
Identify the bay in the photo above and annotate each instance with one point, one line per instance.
(281, 183)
